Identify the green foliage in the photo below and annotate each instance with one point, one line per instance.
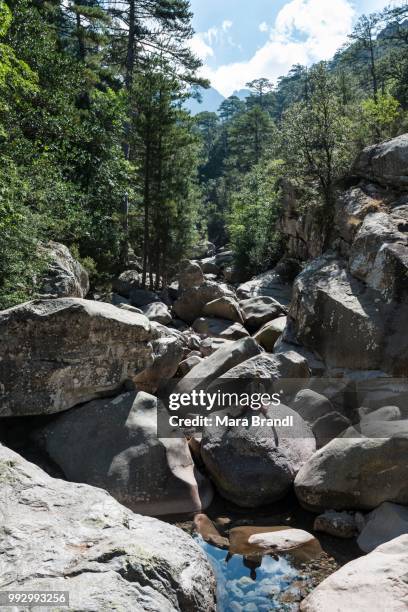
(252, 221)
(97, 152)
(64, 126)
(317, 142)
(381, 116)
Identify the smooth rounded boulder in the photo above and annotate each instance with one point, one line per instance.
(77, 538)
(190, 305)
(223, 359)
(224, 308)
(219, 328)
(157, 311)
(355, 473)
(126, 282)
(268, 335)
(256, 465)
(257, 311)
(113, 444)
(55, 354)
(190, 275)
(377, 581)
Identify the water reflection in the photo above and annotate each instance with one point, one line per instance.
(253, 583)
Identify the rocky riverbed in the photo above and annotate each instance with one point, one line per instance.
(83, 467)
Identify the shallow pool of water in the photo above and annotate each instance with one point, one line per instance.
(255, 585)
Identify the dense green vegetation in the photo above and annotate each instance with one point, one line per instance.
(307, 129)
(98, 152)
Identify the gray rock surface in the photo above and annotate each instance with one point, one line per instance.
(383, 524)
(352, 206)
(259, 310)
(126, 282)
(188, 364)
(210, 345)
(336, 315)
(157, 311)
(269, 284)
(338, 524)
(374, 582)
(318, 411)
(268, 335)
(189, 306)
(219, 328)
(224, 308)
(385, 163)
(143, 297)
(58, 535)
(65, 276)
(190, 275)
(167, 354)
(355, 473)
(217, 364)
(271, 367)
(113, 444)
(55, 354)
(254, 466)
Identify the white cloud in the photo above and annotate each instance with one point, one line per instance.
(263, 27)
(202, 43)
(305, 31)
(200, 48)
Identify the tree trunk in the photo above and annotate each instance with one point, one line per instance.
(146, 198)
(129, 69)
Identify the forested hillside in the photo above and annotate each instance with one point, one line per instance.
(98, 153)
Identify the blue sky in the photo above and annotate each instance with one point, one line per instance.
(240, 40)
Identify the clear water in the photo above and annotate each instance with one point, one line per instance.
(253, 589)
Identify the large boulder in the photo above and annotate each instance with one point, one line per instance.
(143, 297)
(378, 231)
(318, 411)
(257, 311)
(338, 524)
(61, 536)
(167, 354)
(269, 284)
(224, 308)
(209, 266)
(256, 465)
(189, 306)
(55, 354)
(219, 328)
(355, 473)
(289, 365)
(190, 275)
(222, 360)
(113, 444)
(126, 282)
(374, 582)
(65, 276)
(385, 163)
(383, 524)
(157, 311)
(352, 206)
(268, 335)
(342, 320)
(210, 345)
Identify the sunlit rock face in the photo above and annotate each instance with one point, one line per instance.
(55, 354)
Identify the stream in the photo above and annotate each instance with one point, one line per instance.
(252, 582)
(244, 585)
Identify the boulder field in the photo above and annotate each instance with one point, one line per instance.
(82, 380)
